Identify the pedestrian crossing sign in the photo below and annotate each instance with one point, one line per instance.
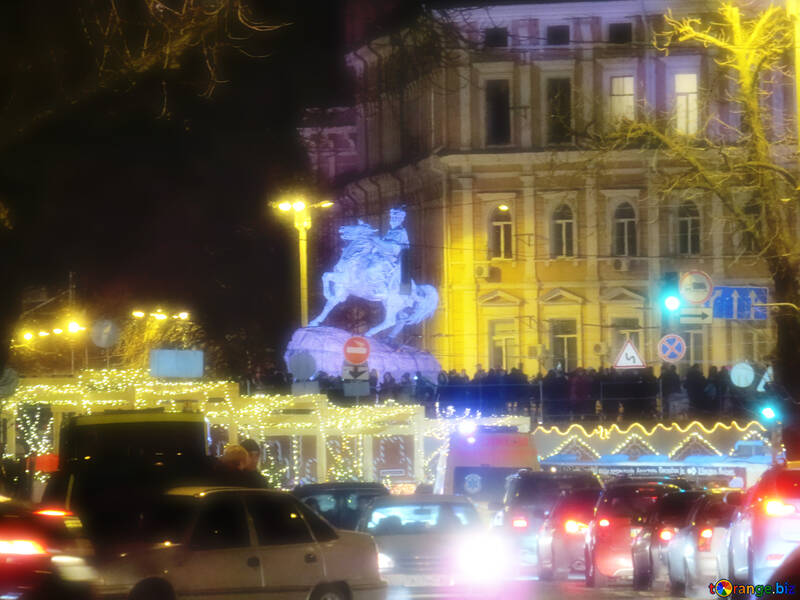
(629, 357)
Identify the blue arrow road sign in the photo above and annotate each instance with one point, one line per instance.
(733, 302)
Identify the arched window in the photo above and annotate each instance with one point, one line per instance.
(688, 229)
(561, 237)
(624, 230)
(500, 233)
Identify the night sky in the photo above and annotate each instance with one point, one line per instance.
(172, 210)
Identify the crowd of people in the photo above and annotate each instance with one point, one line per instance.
(583, 394)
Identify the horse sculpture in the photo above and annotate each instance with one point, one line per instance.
(369, 268)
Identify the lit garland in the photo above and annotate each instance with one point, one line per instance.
(577, 441)
(694, 437)
(605, 432)
(36, 434)
(633, 438)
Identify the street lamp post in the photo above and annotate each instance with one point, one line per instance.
(302, 222)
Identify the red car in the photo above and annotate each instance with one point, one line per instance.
(618, 519)
(42, 554)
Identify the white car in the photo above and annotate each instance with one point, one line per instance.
(766, 527)
(219, 542)
(436, 544)
(697, 554)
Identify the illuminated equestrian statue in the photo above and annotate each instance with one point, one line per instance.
(370, 269)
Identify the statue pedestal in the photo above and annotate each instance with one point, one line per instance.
(326, 345)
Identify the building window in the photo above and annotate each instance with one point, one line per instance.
(622, 98)
(752, 221)
(688, 229)
(500, 234)
(624, 230)
(495, 37)
(561, 239)
(754, 343)
(564, 343)
(625, 329)
(558, 35)
(498, 112)
(503, 344)
(559, 110)
(686, 103)
(620, 33)
(694, 345)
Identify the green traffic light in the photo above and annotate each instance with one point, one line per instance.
(672, 303)
(768, 413)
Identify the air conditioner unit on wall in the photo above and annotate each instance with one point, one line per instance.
(622, 264)
(482, 271)
(601, 349)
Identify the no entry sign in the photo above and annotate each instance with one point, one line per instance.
(356, 350)
(671, 348)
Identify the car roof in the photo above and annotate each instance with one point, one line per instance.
(419, 499)
(335, 486)
(198, 491)
(631, 487)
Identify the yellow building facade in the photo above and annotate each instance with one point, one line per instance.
(545, 252)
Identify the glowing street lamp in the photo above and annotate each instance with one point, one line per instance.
(74, 327)
(27, 336)
(302, 222)
(138, 314)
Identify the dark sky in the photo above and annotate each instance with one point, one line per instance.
(146, 209)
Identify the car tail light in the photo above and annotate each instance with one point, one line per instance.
(704, 539)
(666, 534)
(571, 526)
(603, 523)
(519, 522)
(776, 508)
(21, 548)
(53, 512)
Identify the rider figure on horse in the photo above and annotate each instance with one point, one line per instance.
(385, 265)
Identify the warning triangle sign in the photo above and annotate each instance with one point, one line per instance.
(629, 358)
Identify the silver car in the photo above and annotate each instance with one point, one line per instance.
(697, 553)
(766, 527)
(436, 543)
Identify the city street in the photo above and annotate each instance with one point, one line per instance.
(574, 589)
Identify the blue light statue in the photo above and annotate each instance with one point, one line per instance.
(370, 268)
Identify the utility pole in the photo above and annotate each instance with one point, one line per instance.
(70, 305)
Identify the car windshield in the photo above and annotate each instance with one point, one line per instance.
(578, 505)
(629, 502)
(400, 519)
(544, 489)
(674, 508)
(716, 511)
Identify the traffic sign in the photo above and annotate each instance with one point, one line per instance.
(738, 302)
(356, 350)
(696, 287)
(351, 372)
(766, 379)
(104, 333)
(671, 348)
(629, 357)
(742, 375)
(695, 314)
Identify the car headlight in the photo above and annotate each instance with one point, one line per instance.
(485, 557)
(385, 562)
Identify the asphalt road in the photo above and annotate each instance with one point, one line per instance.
(565, 590)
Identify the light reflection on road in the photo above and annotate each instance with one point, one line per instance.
(574, 588)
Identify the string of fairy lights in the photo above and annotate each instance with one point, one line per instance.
(309, 425)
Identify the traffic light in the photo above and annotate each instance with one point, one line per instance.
(670, 293)
(769, 413)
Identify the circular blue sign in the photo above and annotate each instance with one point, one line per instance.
(671, 347)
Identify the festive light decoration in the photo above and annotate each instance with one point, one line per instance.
(693, 438)
(574, 440)
(631, 439)
(604, 432)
